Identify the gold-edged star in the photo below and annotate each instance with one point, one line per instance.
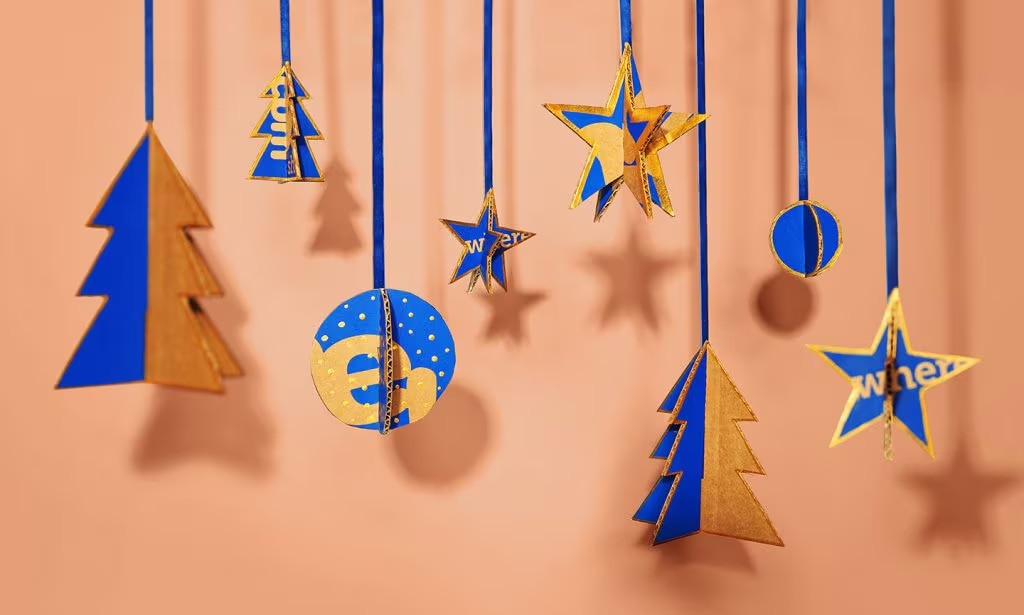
(623, 135)
(484, 244)
(889, 381)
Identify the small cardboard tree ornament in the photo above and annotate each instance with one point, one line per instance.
(286, 127)
(151, 327)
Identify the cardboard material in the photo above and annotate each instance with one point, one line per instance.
(484, 244)
(369, 383)
(151, 327)
(700, 488)
(287, 130)
(625, 136)
(889, 380)
(806, 238)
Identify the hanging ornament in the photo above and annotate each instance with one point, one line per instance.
(700, 488)
(890, 378)
(151, 327)
(806, 237)
(625, 137)
(381, 359)
(285, 126)
(485, 241)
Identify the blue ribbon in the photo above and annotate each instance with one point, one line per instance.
(286, 31)
(626, 22)
(801, 95)
(892, 241)
(702, 174)
(148, 4)
(488, 95)
(378, 143)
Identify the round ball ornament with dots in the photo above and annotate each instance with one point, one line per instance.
(366, 384)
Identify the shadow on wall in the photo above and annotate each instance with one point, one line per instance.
(447, 445)
(784, 304)
(632, 275)
(231, 429)
(338, 208)
(336, 212)
(960, 496)
(507, 314)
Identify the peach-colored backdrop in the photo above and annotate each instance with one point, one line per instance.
(515, 495)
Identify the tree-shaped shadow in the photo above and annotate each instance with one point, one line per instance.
(232, 429)
(337, 211)
(632, 274)
(338, 208)
(444, 447)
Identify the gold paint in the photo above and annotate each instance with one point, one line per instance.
(284, 128)
(418, 397)
(471, 247)
(728, 506)
(893, 317)
(182, 347)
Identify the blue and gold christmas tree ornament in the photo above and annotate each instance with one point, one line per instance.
(701, 487)
(286, 127)
(625, 137)
(382, 358)
(151, 327)
(889, 381)
(890, 378)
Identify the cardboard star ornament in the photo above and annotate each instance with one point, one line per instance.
(484, 244)
(625, 136)
(889, 381)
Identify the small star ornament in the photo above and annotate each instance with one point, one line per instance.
(889, 381)
(484, 244)
(625, 136)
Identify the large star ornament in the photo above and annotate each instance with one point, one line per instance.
(484, 244)
(889, 380)
(625, 136)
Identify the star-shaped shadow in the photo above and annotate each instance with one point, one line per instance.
(632, 274)
(959, 499)
(507, 319)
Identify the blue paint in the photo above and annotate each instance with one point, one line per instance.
(795, 238)
(595, 180)
(650, 509)
(667, 440)
(682, 515)
(801, 97)
(113, 350)
(655, 196)
(414, 323)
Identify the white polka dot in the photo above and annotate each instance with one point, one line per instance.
(362, 317)
(410, 314)
(433, 359)
(342, 324)
(323, 338)
(430, 337)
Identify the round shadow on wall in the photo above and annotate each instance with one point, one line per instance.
(784, 304)
(448, 445)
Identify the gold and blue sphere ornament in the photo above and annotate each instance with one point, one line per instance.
(382, 359)
(806, 238)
